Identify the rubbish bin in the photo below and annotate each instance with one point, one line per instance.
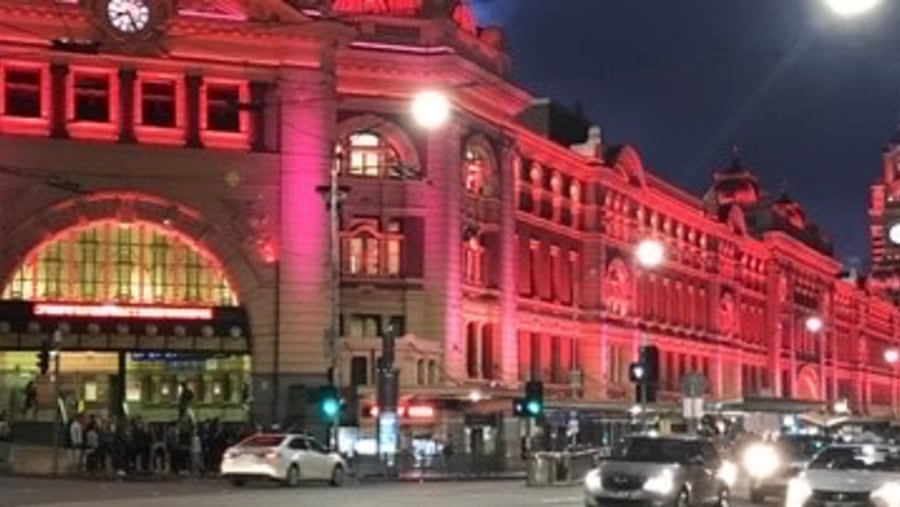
(541, 469)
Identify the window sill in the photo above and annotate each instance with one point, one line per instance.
(24, 125)
(225, 140)
(172, 136)
(100, 131)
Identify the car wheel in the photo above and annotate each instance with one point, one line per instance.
(724, 498)
(757, 496)
(293, 476)
(237, 481)
(338, 476)
(683, 500)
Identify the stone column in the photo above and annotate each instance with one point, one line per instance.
(127, 79)
(442, 240)
(58, 100)
(193, 83)
(510, 167)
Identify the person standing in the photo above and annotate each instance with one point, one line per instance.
(76, 443)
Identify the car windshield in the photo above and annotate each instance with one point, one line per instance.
(868, 457)
(652, 450)
(262, 441)
(802, 447)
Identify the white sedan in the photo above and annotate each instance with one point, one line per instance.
(849, 475)
(288, 459)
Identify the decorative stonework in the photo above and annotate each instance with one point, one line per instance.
(617, 288)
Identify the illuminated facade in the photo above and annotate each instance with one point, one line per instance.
(179, 165)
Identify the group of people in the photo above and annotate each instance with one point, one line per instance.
(131, 446)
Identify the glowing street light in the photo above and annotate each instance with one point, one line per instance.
(650, 253)
(850, 8)
(431, 109)
(814, 324)
(892, 355)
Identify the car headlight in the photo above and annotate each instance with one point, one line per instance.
(663, 484)
(761, 461)
(593, 481)
(798, 492)
(728, 473)
(887, 495)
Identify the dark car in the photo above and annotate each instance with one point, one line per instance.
(661, 471)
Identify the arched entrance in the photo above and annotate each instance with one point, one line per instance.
(141, 313)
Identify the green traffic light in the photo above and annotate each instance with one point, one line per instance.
(331, 407)
(533, 407)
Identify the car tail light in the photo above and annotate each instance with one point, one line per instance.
(231, 454)
(273, 455)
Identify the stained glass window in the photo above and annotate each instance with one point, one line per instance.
(137, 263)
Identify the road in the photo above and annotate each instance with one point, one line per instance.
(71, 493)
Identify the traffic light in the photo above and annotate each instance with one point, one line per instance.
(533, 404)
(330, 404)
(645, 374)
(649, 358)
(43, 358)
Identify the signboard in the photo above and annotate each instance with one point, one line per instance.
(693, 385)
(693, 408)
(388, 432)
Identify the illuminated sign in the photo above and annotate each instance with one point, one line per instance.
(412, 411)
(123, 312)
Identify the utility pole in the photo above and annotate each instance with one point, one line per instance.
(388, 397)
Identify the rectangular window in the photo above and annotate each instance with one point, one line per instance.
(365, 326)
(359, 371)
(23, 92)
(92, 97)
(158, 103)
(222, 107)
(394, 247)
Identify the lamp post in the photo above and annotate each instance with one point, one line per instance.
(815, 325)
(649, 254)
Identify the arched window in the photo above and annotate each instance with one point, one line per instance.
(369, 250)
(367, 154)
(473, 257)
(109, 262)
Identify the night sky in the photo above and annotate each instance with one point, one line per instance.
(809, 98)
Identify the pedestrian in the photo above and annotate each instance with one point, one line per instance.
(196, 453)
(31, 396)
(76, 443)
(92, 447)
(5, 430)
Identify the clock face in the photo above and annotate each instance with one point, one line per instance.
(894, 233)
(128, 16)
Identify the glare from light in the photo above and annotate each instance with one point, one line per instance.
(728, 473)
(888, 494)
(431, 109)
(475, 396)
(798, 492)
(593, 481)
(650, 253)
(814, 324)
(662, 485)
(850, 8)
(760, 461)
(892, 355)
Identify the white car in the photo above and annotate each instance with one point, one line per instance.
(849, 475)
(288, 459)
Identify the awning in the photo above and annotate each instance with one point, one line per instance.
(213, 330)
(770, 405)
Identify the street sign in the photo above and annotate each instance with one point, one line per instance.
(693, 408)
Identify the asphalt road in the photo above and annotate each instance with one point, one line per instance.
(68, 493)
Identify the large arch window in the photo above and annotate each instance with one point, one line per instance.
(371, 250)
(367, 154)
(107, 262)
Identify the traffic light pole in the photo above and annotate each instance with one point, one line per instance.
(57, 413)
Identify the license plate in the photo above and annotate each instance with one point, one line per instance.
(839, 504)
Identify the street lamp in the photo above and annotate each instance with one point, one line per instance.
(650, 253)
(814, 324)
(850, 8)
(892, 356)
(430, 109)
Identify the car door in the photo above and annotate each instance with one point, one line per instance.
(711, 464)
(319, 454)
(299, 449)
(697, 474)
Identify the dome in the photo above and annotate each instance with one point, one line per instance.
(457, 10)
(735, 184)
(791, 210)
